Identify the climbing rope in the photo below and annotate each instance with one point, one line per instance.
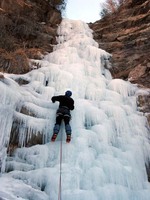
(60, 170)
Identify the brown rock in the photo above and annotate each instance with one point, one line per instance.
(136, 73)
(26, 25)
(1, 76)
(126, 35)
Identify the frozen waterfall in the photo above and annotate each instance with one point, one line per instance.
(110, 146)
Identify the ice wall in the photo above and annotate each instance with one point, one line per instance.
(110, 147)
(10, 97)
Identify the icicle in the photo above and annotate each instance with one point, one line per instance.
(110, 144)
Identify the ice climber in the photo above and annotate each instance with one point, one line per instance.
(66, 103)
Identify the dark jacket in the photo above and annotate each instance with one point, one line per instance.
(64, 101)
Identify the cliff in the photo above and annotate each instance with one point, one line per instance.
(28, 30)
(126, 35)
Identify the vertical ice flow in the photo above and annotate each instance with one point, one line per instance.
(109, 149)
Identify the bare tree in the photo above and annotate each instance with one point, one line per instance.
(110, 6)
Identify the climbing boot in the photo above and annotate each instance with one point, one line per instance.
(68, 139)
(53, 138)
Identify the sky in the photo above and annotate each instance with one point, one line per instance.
(85, 10)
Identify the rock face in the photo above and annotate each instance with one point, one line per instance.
(126, 35)
(28, 30)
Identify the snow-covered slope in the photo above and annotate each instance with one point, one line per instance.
(109, 149)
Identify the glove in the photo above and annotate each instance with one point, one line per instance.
(53, 100)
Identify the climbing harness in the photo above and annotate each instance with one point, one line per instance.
(60, 170)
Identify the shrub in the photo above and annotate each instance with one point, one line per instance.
(23, 28)
(7, 41)
(14, 62)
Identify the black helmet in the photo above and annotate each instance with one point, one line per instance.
(68, 93)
